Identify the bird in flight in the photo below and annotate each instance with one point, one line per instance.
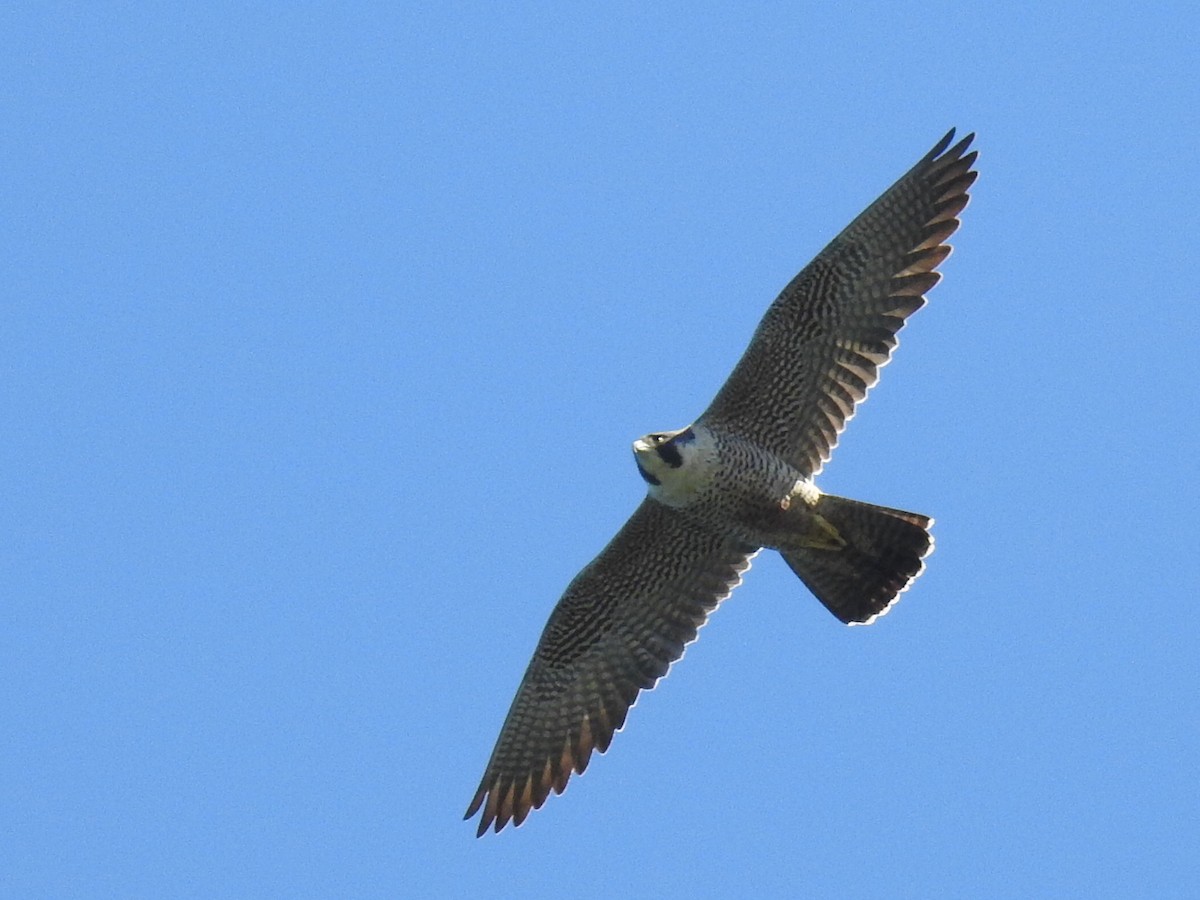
(739, 479)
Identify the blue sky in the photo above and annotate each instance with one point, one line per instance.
(324, 336)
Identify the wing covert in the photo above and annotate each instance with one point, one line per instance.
(819, 348)
(618, 627)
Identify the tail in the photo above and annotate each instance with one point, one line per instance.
(882, 555)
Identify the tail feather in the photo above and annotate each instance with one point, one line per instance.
(882, 556)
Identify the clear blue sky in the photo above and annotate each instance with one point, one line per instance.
(325, 330)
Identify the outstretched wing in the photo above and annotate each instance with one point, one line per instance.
(621, 623)
(819, 347)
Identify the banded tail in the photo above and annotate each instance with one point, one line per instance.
(883, 554)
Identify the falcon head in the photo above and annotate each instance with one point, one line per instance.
(661, 457)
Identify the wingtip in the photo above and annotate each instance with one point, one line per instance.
(940, 146)
(959, 150)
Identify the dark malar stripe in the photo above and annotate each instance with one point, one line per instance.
(669, 454)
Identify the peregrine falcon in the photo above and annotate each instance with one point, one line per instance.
(739, 479)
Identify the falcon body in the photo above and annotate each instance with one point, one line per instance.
(735, 481)
(724, 481)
